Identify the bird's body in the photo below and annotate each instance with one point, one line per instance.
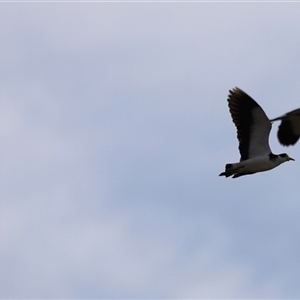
(289, 128)
(253, 129)
(254, 165)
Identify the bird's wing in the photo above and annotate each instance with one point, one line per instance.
(253, 126)
(289, 128)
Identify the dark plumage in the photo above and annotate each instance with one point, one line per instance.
(253, 129)
(289, 129)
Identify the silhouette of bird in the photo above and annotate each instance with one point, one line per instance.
(253, 129)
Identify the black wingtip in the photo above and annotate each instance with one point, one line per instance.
(285, 134)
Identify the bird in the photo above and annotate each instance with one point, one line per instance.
(289, 129)
(253, 129)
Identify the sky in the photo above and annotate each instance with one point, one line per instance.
(114, 127)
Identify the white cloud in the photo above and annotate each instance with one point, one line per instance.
(114, 127)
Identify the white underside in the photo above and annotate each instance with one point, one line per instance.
(256, 164)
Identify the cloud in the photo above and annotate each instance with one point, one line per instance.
(114, 127)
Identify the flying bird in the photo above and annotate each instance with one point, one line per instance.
(253, 129)
(289, 129)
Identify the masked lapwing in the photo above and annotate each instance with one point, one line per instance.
(289, 129)
(253, 129)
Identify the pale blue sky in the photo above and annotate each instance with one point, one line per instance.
(114, 127)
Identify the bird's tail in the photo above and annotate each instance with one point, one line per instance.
(235, 170)
(228, 170)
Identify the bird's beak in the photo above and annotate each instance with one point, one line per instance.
(291, 159)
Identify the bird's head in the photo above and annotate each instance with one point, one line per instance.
(285, 157)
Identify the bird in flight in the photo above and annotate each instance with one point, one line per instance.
(253, 129)
(289, 129)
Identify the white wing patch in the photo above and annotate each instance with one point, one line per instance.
(259, 136)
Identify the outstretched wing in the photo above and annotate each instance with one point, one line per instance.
(289, 128)
(253, 126)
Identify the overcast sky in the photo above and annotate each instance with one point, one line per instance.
(114, 127)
